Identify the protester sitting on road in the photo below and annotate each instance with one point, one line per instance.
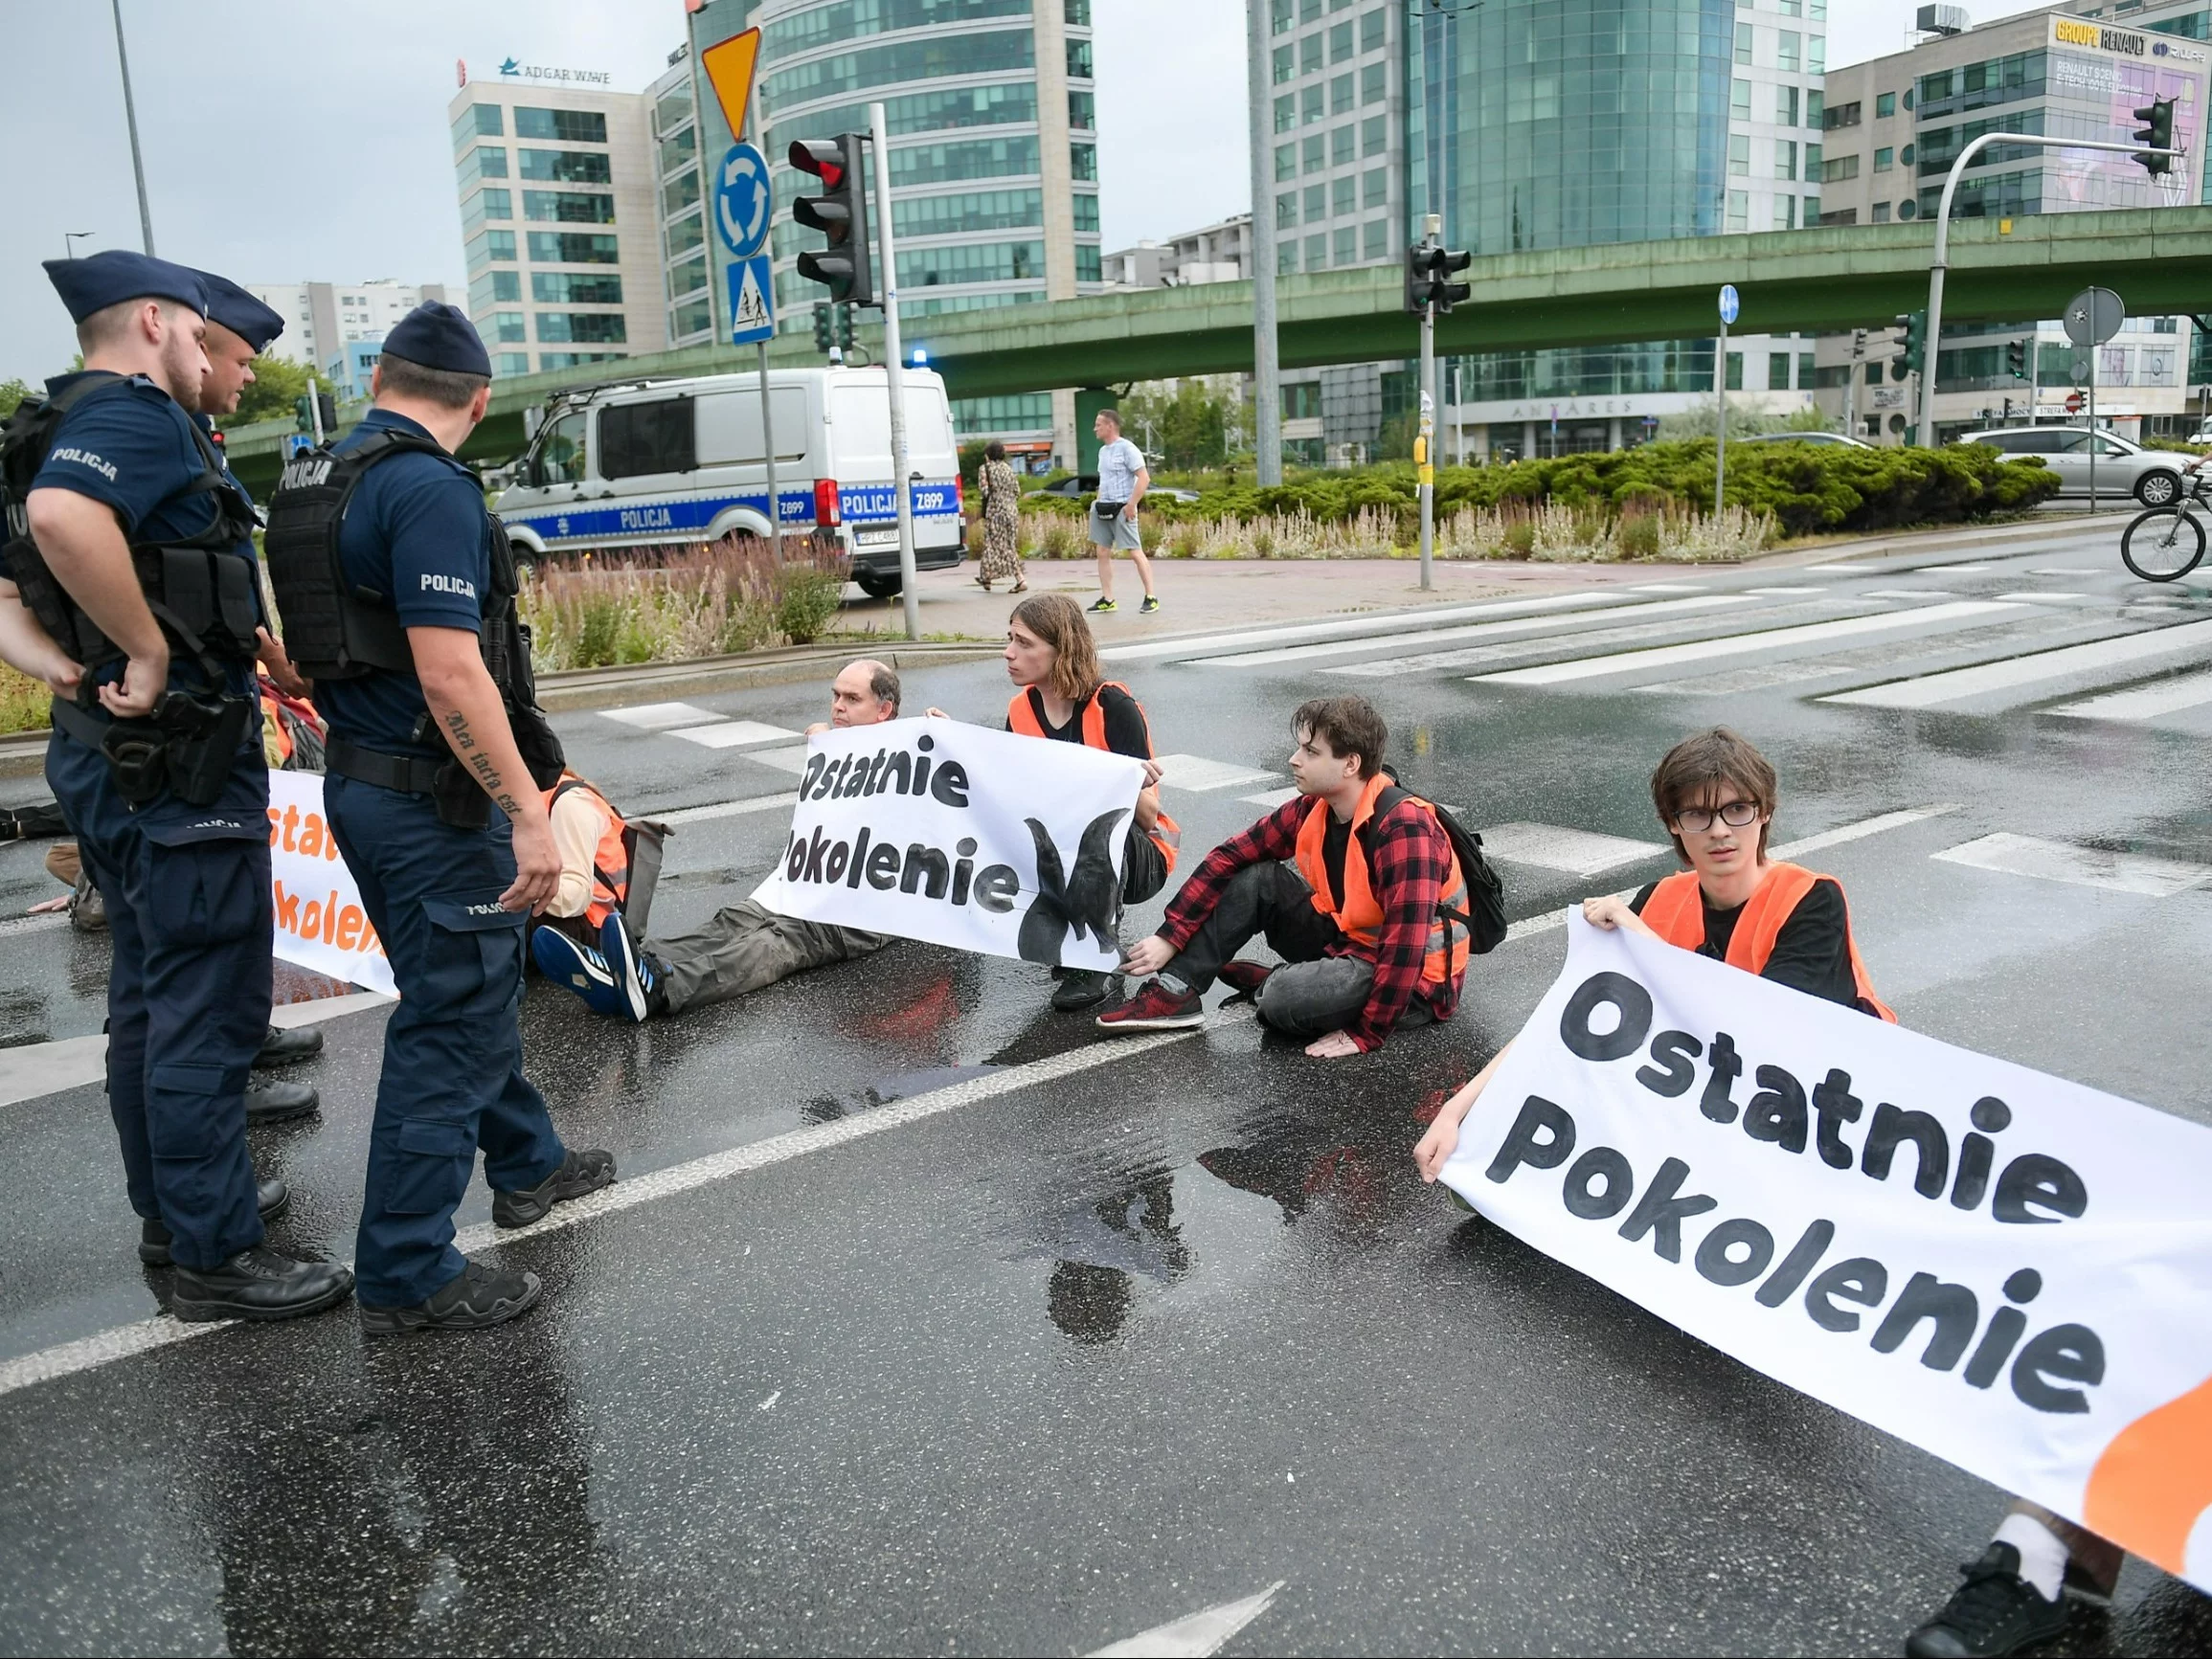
(739, 948)
(1733, 904)
(1350, 883)
(1060, 693)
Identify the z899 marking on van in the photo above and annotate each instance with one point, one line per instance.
(651, 462)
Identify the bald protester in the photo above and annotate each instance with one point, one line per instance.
(742, 947)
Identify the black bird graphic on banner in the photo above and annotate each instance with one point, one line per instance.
(1087, 901)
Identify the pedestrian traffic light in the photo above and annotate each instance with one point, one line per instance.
(327, 407)
(303, 413)
(2157, 131)
(840, 214)
(845, 321)
(2015, 359)
(823, 337)
(1915, 356)
(1420, 293)
(1429, 273)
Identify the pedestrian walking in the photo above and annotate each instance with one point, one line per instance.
(1122, 480)
(433, 722)
(1001, 499)
(157, 760)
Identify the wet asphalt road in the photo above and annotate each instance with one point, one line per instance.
(1134, 1335)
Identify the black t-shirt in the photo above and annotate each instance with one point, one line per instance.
(1812, 953)
(1125, 728)
(1336, 837)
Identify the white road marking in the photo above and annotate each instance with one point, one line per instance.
(1664, 588)
(661, 716)
(1884, 658)
(2020, 674)
(1577, 852)
(2069, 570)
(1909, 593)
(791, 760)
(1621, 634)
(1838, 570)
(1738, 644)
(2144, 702)
(2047, 597)
(1197, 1637)
(2137, 873)
(145, 1336)
(1194, 772)
(39, 924)
(1781, 591)
(1473, 630)
(1350, 627)
(735, 734)
(1272, 799)
(1962, 570)
(723, 809)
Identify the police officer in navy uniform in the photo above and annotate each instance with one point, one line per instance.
(241, 328)
(158, 767)
(450, 884)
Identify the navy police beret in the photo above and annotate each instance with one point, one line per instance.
(112, 276)
(436, 335)
(239, 311)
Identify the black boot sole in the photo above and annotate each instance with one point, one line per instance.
(512, 1210)
(193, 1313)
(407, 1321)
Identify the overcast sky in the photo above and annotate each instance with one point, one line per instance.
(244, 107)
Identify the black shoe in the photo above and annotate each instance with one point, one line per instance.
(259, 1284)
(1150, 605)
(272, 1100)
(289, 1047)
(272, 1198)
(1081, 988)
(1243, 978)
(1995, 1612)
(478, 1296)
(580, 1173)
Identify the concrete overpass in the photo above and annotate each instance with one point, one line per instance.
(2158, 261)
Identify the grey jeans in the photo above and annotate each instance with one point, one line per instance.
(745, 946)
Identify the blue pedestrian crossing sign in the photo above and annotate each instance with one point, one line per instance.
(752, 300)
(744, 202)
(1728, 306)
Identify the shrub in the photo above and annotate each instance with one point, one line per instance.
(672, 605)
(23, 702)
(808, 600)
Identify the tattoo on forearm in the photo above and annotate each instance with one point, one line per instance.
(457, 723)
(480, 764)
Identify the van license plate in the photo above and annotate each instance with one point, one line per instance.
(875, 538)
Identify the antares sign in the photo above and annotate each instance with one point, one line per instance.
(2008, 1270)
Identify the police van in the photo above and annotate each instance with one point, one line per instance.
(660, 461)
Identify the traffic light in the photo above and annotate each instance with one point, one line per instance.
(303, 413)
(2157, 131)
(1915, 356)
(2015, 359)
(327, 407)
(1420, 293)
(823, 337)
(844, 328)
(840, 214)
(1429, 273)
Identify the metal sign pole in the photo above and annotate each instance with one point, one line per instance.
(2092, 429)
(1425, 444)
(892, 350)
(1721, 442)
(768, 450)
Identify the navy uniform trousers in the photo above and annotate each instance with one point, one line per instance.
(189, 915)
(452, 1079)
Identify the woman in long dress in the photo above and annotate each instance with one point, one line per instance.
(1001, 497)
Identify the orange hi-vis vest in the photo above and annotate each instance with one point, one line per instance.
(610, 858)
(1022, 717)
(1676, 911)
(1362, 918)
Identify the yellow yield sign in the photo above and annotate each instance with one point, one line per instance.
(728, 66)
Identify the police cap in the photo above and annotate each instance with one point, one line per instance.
(114, 275)
(436, 335)
(239, 311)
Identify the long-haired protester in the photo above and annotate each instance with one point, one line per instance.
(1061, 693)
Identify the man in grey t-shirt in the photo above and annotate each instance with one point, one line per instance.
(1122, 481)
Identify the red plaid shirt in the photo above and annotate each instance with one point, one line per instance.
(1409, 856)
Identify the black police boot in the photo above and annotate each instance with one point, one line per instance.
(289, 1047)
(272, 1100)
(580, 1173)
(479, 1297)
(1995, 1611)
(272, 1198)
(1081, 988)
(259, 1284)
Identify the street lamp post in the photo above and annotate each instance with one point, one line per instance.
(1266, 361)
(130, 119)
(1942, 259)
(70, 240)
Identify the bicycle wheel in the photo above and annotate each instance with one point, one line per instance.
(2162, 545)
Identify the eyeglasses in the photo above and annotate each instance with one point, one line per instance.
(1735, 814)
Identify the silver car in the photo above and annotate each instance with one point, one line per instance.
(2153, 476)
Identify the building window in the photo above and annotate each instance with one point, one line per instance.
(1807, 370)
(1785, 107)
(1301, 400)
(1340, 145)
(1786, 44)
(1374, 135)
(678, 152)
(1740, 101)
(1885, 104)
(1083, 161)
(1086, 204)
(1083, 111)
(1840, 115)
(1281, 20)
(1375, 27)
(1090, 265)
(1735, 375)
(688, 278)
(695, 318)
(1785, 158)
(568, 207)
(1880, 214)
(575, 288)
(507, 328)
(584, 167)
(1284, 65)
(478, 120)
(568, 248)
(1739, 155)
(1340, 95)
(1739, 210)
(681, 192)
(1374, 83)
(484, 204)
(1286, 256)
(1785, 213)
(1317, 203)
(685, 235)
(492, 245)
(1814, 108)
(1079, 63)
(1309, 9)
(1375, 188)
(972, 263)
(563, 126)
(577, 359)
(1816, 55)
(1344, 197)
(1813, 161)
(485, 161)
(1310, 53)
(1312, 102)
(2165, 325)
(1286, 162)
(1743, 44)
(512, 362)
(582, 327)
(1375, 240)
(1340, 42)
(1286, 112)
(1884, 160)
(495, 289)
(1779, 372)
(1812, 212)
(1317, 252)
(1286, 211)
(1348, 245)
(978, 211)
(1836, 168)
(1316, 153)
(673, 109)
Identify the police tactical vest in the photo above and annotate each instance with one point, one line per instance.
(198, 587)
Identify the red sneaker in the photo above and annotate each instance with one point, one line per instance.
(1155, 1008)
(1244, 977)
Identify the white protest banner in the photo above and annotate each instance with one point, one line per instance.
(981, 840)
(321, 921)
(2011, 1272)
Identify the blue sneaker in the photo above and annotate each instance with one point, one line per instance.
(581, 969)
(635, 977)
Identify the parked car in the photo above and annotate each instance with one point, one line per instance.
(1806, 437)
(1078, 485)
(2153, 476)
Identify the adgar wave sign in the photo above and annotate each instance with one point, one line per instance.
(933, 829)
(2006, 1269)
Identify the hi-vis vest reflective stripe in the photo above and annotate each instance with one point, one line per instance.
(610, 858)
(1022, 717)
(1362, 918)
(1677, 914)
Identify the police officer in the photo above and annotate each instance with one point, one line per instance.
(418, 740)
(157, 765)
(240, 329)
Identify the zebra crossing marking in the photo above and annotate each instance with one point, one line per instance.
(2021, 675)
(1503, 629)
(2049, 861)
(1556, 847)
(2144, 702)
(661, 716)
(1197, 774)
(734, 734)
(1621, 633)
(1194, 646)
(1764, 675)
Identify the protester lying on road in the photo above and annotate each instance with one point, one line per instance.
(739, 948)
(1355, 885)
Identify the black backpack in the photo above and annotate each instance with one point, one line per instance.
(1485, 917)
